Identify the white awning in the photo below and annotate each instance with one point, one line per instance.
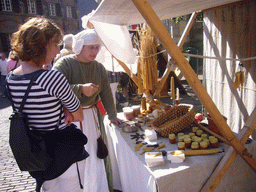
(124, 12)
(111, 18)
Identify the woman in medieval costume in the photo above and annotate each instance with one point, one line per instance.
(89, 81)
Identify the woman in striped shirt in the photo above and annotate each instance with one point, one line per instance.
(36, 43)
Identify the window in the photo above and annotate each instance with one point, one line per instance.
(5, 39)
(22, 7)
(31, 6)
(69, 12)
(52, 9)
(6, 5)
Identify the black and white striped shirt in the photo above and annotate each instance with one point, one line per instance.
(50, 91)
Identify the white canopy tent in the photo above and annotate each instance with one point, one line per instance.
(111, 18)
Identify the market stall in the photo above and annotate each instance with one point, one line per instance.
(131, 12)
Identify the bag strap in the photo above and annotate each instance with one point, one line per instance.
(96, 110)
(9, 94)
(26, 96)
(16, 64)
(26, 93)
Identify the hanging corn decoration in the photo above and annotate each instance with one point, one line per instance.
(242, 78)
(239, 79)
(147, 63)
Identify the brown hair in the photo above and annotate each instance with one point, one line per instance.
(12, 56)
(29, 42)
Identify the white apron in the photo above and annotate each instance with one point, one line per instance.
(68, 181)
(95, 178)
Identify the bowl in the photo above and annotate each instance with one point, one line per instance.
(130, 129)
(128, 113)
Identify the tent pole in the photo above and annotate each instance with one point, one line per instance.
(126, 69)
(230, 156)
(180, 45)
(187, 30)
(163, 35)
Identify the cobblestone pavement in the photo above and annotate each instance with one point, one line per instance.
(11, 178)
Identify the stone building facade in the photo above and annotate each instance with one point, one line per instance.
(16, 12)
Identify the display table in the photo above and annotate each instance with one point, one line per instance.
(131, 173)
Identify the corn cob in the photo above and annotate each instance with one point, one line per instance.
(201, 152)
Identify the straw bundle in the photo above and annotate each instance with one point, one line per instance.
(147, 63)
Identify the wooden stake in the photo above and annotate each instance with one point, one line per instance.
(230, 155)
(163, 35)
(211, 132)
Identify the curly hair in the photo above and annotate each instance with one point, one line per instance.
(29, 42)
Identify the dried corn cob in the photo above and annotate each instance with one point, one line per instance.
(237, 80)
(242, 78)
(201, 152)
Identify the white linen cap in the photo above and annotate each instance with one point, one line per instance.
(85, 37)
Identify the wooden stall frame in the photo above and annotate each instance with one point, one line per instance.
(180, 45)
(163, 35)
(211, 132)
(231, 155)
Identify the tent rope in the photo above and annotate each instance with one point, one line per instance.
(204, 57)
(220, 58)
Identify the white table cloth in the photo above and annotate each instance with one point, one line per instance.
(131, 174)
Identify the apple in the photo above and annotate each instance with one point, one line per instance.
(199, 117)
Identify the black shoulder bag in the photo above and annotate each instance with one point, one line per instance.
(28, 149)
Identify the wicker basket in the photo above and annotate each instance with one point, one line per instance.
(184, 115)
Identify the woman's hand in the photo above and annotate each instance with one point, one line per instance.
(89, 89)
(116, 121)
(68, 116)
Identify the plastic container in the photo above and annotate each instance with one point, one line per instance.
(128, 113)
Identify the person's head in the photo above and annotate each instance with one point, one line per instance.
(37, 40)
(68, 40)
(86, 45)
(2, 56)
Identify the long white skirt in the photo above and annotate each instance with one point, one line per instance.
(68, 181)
(95, 178)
